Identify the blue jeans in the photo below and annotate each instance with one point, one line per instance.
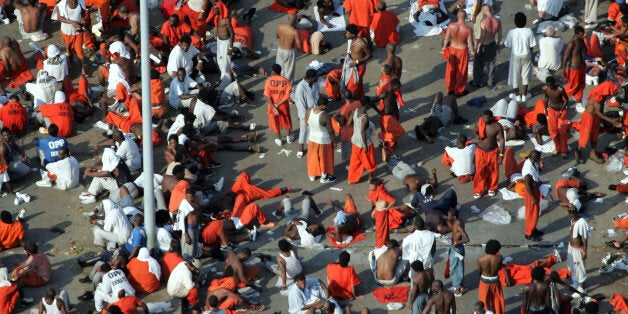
(447, 201)
(456, 265)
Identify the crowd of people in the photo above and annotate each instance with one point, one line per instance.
(201, 40)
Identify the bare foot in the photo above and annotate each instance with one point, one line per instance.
(329, 201)
(267, 225)
(257, 308)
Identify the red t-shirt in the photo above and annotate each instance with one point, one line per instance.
(60, 114)
(13, 116)
(341, 280)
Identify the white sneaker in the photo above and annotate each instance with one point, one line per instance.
(524, 98)
(299, 154)
(21, 214)
(579, 107)
(25, 197)
(513, 96)
(218, 185)
(626, 200)
(313, 178)
(44, 183)
(624, 181)
(18, 200)
(89, 200)
(253, 234)
(85, 195)
(252, 126)
(626, 172)
(518, 98)
(557, 254)
(289, 139)
(43, 130)
(102, 125)
(278, 142)
(590, 26)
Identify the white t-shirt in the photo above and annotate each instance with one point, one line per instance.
(463, 159)
(181, 59)
(58, 68)
(113, 282)
(67, 172)
(116, 222)
(531, 169)
(63, 10)
(178, 88)
(520, 40)
(180, 281)
(417, 246)
(580, 229)
(204, 114)
(130, 153)
(177, 125)
(184, 209)
(550, 52)
(163, 239)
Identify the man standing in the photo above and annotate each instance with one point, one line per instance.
(574, 66)
(71, 14)
(362, 150)
(444, 301)
(306, 95)
(355, 63)
(577, 250)
(591, 117)
(321, 143)
(277, 92)
(456, 253)
(456, 46)
(289, 41)
(391, 129)
(532, 180)
(384, 26)
(490, 140)
(521, 41)
(219, 17)
(420, 245)
(536, 296)
(557, 118)
(590, 13)
(420, 283)
(487, 48)
(550, 59)
(360, 14)
(395, 62)
(490, 289)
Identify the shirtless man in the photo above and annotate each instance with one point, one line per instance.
(577, 249)
(490, 289)
(390, 128)
(393, 60)
(557, 119)
(573, 65)
(456, 46)
(235, 261)
(487, 48)
(536, 296)
(490, 141)
(444, 301)
(387, 264)
(10, 56)
(5, 157)
(456, 252)
(572, 193)
(289, 43)
(224, 39)
(30, 16)
(326, 7)
(421, 283)
(591, 117)
(355, 63)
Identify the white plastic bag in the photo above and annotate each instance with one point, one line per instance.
(521, 212)
(496, 215)
(615, 162)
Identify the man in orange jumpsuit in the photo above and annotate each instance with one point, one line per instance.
(342, 278)
(277, 92)
(360, 14)
(60, 113)
(456, 46)
(13, 65)
(590, 121)
(384, 26)
(557, 119)
(178, 192)
(354, 65)
(173, 29)
(390, 100)
(574, 64)
(490, 289)
(386, 215)
(531, 177)
(11, 231)
(72, 14)
(247, 193)
(516, 274)
(490, 140)
(362, 149)
(13, 115)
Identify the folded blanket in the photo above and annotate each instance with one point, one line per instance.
(392, 294)
(357, 237)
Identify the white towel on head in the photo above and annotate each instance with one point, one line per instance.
(153, 265)
(52, 51)
(119, 48)
(59, 97)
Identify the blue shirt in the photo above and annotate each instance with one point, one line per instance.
(137, 239)
(420, 201)
(50, 147)
(341, 217)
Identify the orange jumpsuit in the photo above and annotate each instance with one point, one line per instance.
(13, 116)
(213, 17)
(140, 278)
(9, 296)
(247, 193)
(360, 14)
(341, 280)
(490, 292)
(558, 128)
(486, 166)
(20, 76)
(320, 159)
(511, 166)
(60, 114)
(522, 274)
(589, 129)
(157, 97)
(565, 183)
(384, 28)
(357, 88)
(457, 71)
(448, 161)
(242, 33)
(174, 33)
(169, 262)
(530, 116)
(11, 235)
(332, 87)
(177, 195)
(384, 219)
(211, 233)
(124, 123)
(576, 79)
(277, 88)
(250, 213)
(593, 46)
(361, 159)
(531, 211)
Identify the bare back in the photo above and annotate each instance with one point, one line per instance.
(386, 264)
(423, 280)
(489, 27)
(536, 294)
(460, 35)
(31, 16)
(489, 265)
(11, 58)
(288, 36)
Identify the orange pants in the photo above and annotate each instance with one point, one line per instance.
(281, 121)
(511, 166)
(576, 80)
(492, 296)
(558, 127)
(350, 208)
(251, 212)
(457, 71)
(193, 296)
(38, 58)
(102, 5)
(391, 130)
(32, 280)
(158, 111)
(361, 159)
(564, 183)
(589, 130)
(357, 88)
(320, 159)
(247, 193)
(622, 188)
(532, 211)
(75, 43)
(198, 25)
(448, 161)
(486, 171)
(522, 274)
(593, 47)
(530, 116)
(382, 228)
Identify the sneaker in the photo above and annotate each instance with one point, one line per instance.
(278, 216)
(252, 126)
(557, 254)
(89, 200)
(18, 200)
(579, 107)
(44, 183)
(590, 26)
(624, 180)
(513, 96)
(524, 98)
(278, 142)
(88, 295)
(533, 238)
(382, 143)
(491, 193)
(85, 195)
(300, 154)
(289, 139)
(218, 185)
(476, 196)
(25, 197)
(102, 125)
(327, 179)
(518, 98)
(253, 234)
(214, 165)
(626, 172)
(395, 157)
(312, 178)
(21, 214)
(612, 187)
(85, 279)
